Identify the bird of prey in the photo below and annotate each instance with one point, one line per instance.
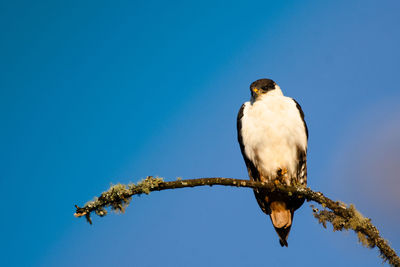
(273, 138)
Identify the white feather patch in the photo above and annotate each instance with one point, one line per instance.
(272, 131)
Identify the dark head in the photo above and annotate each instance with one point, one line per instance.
(261, 87)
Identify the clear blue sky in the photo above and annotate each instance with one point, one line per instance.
(100, 92)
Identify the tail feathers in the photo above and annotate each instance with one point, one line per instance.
(283, 234)
(280, 215)
(281, 218)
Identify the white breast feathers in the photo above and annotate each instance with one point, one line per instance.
(272, 132)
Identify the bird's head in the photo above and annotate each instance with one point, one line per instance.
(262, 87)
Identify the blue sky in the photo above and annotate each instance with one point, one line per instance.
(99, 92)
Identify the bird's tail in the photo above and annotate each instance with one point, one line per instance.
(281, 218)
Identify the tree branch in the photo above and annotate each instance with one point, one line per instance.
(340, 215)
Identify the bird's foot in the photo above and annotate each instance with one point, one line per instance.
(281, 172)
(281, 176)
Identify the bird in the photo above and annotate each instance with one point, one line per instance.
(273, 136)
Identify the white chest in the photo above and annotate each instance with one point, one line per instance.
(272, 132)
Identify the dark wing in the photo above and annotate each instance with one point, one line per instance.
(252, 170)
(301, 153)
(302, 116)
(301, 163)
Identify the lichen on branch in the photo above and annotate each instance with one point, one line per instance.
(340, 215)
(117, 197)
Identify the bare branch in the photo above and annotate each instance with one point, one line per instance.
(341, 216)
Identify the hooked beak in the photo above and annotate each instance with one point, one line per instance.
(255, 92)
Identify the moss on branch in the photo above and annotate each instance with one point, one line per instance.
(340, 215)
